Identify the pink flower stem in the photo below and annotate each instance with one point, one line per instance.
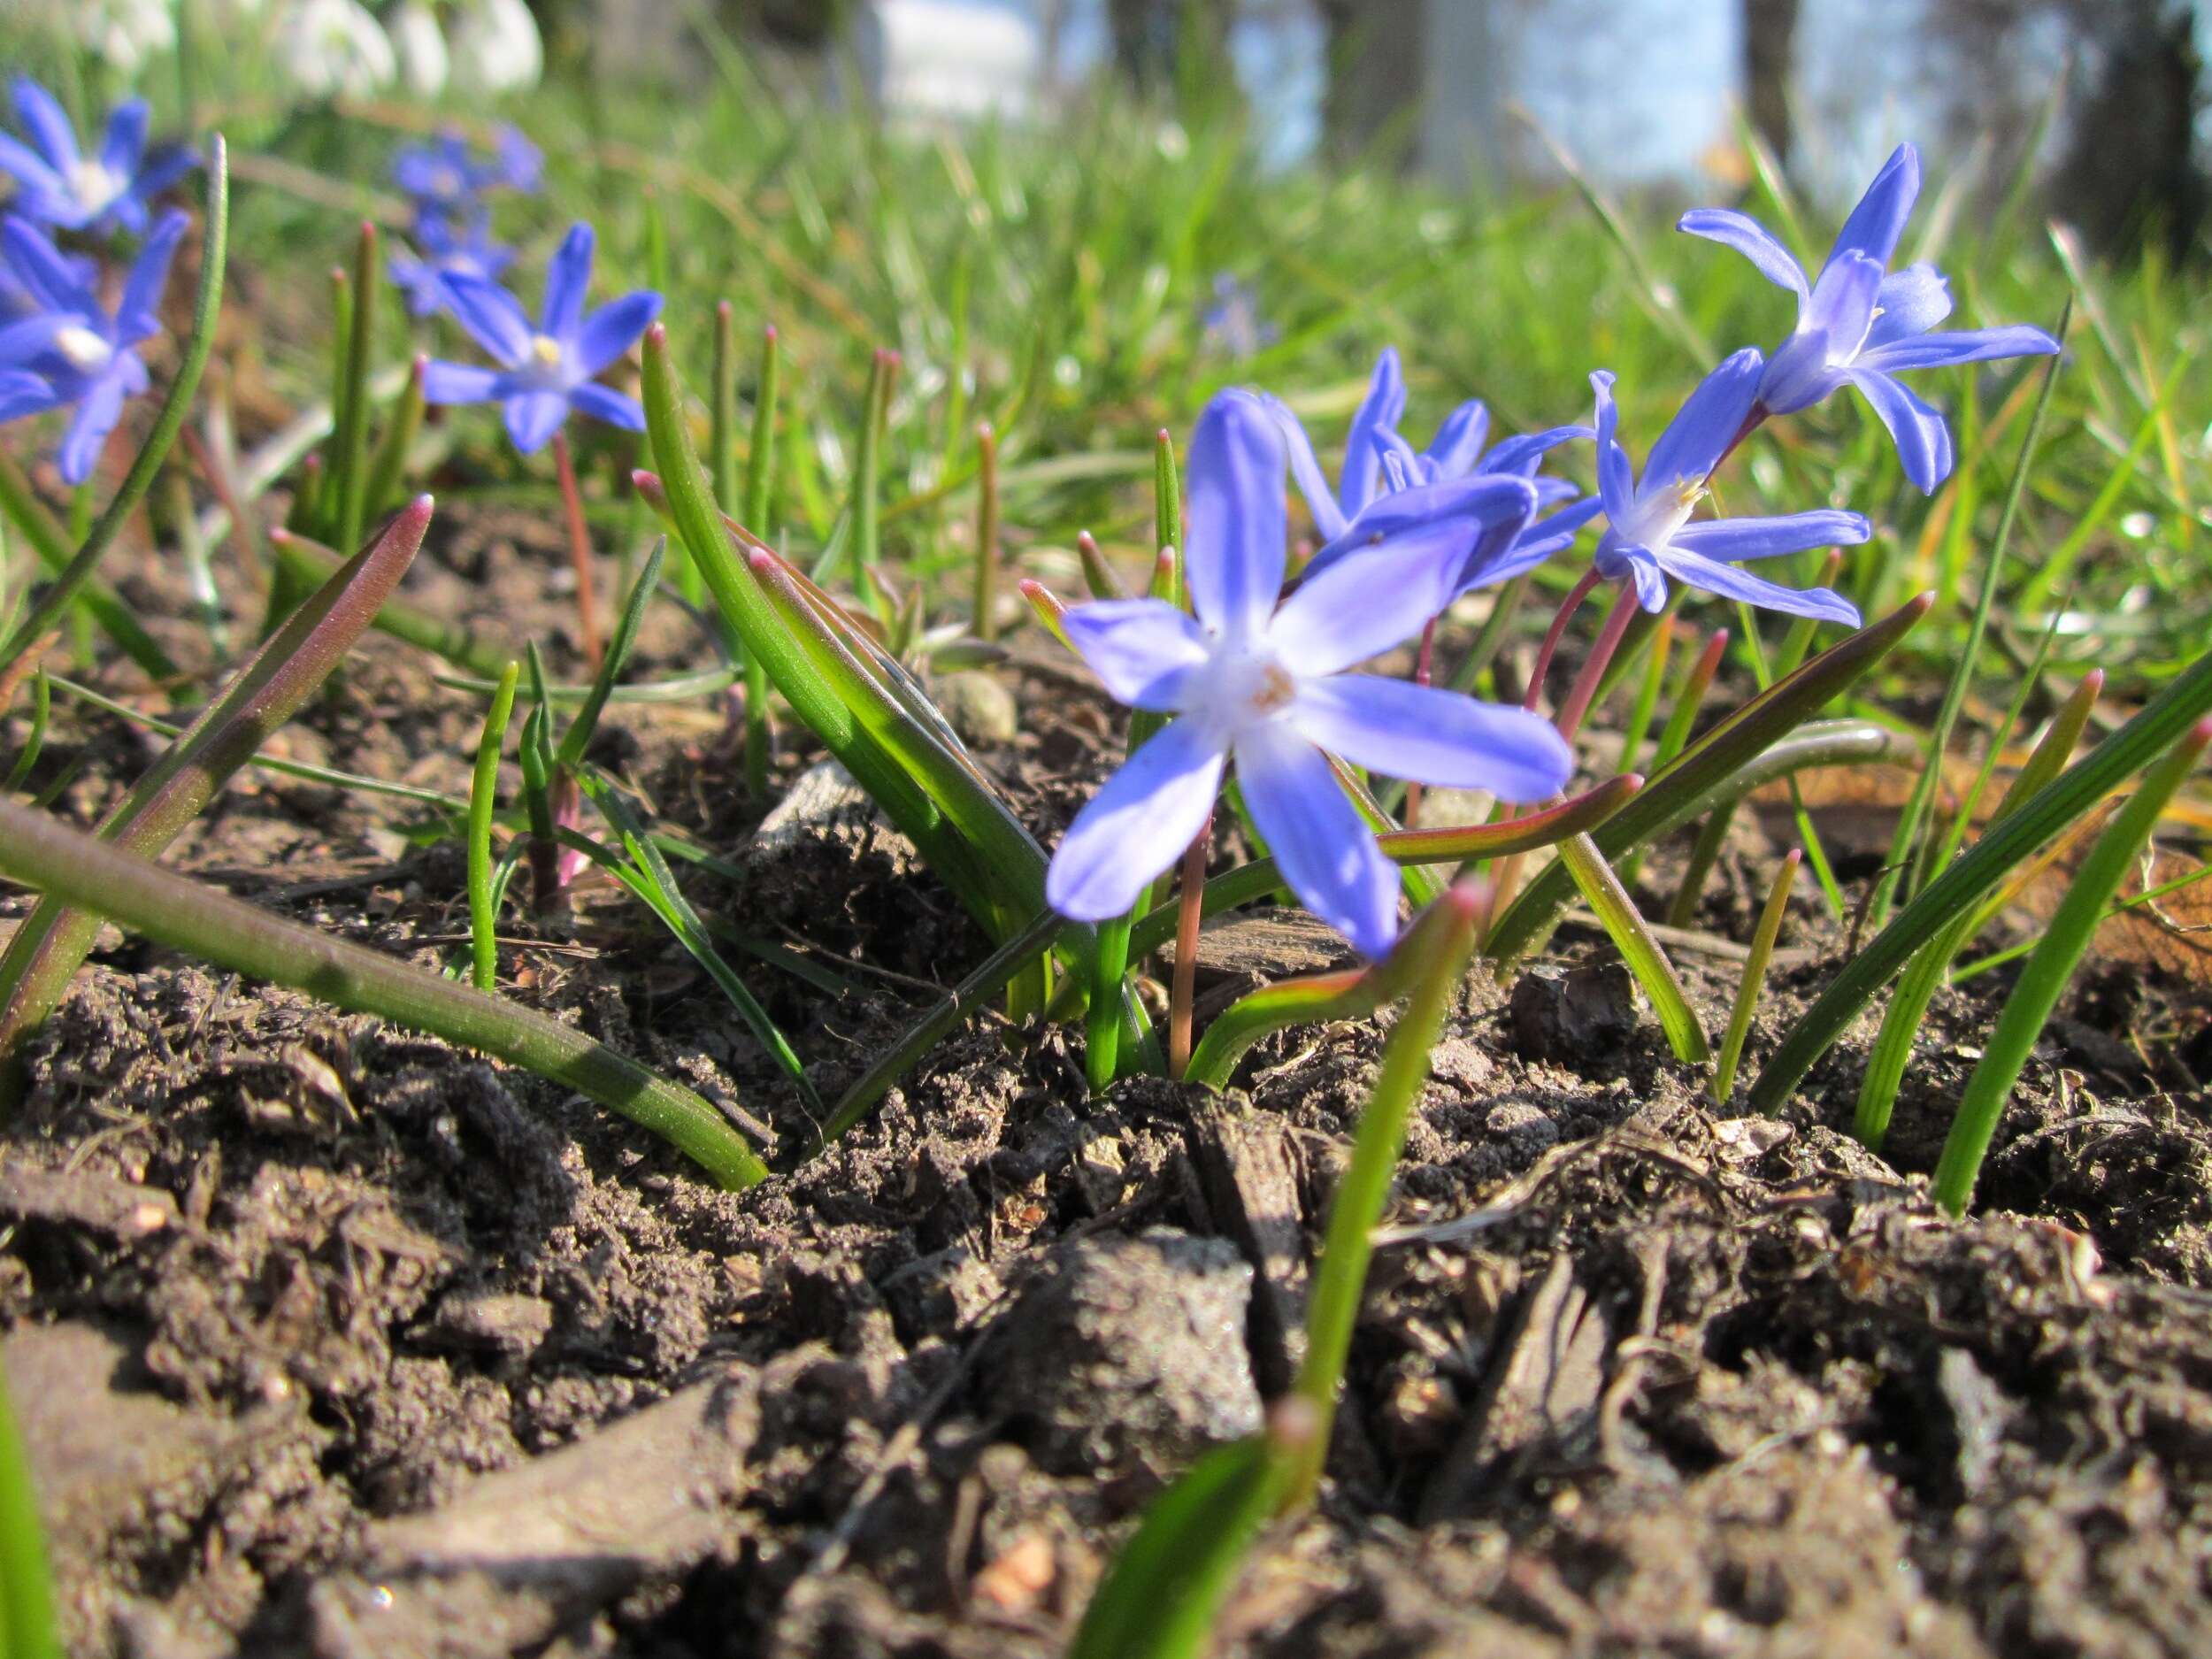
(1185, 985)
(579, 553)
(1581, 591)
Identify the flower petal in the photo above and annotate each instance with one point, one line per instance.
(1525, 453)
(162, 169)
(492, 316)
(532, 417)
(1731, 583)
(1459, 440)
(1738, 539)
(1137, 825)
(1383, 407)
(611, 331)
(28, 169)
(1426, 734)
(1305, 468)
(97, 412)
(1617, 479)
(1328, 857)
(138, 316)
(48, 124)
(26, 337)
(1630, 561)
(1144, 649)
(1752, 240)
(1531, 548)
(1707, 423)
(1923, 443)
(1912, 302)
(604, 403)
(1842, 304)
(1369, 598)
(23, 393)
(567, 280)
(1234, 522)
(56, 282)
(461, 383)
(1879, 219)
(1963, 345)
(123, 145)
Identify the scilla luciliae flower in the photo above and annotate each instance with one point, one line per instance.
(85, 354)
(60, 185)
(1861, 324)
(1266, 685)
(1650, 535)
(546, 370)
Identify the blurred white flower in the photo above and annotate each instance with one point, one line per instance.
(420, 45)
(124, 34)
(496, 46)
(333, 49)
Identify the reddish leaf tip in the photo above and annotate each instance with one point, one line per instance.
(725, 309)
(1794, 857)
(769, 332)
(656, 334)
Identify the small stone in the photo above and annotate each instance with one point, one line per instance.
(1584, 1017)
(978, 707)
(1128, 1356)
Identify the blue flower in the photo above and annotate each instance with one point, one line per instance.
(443, 251)
(1266, 686)
(1385, 483)
(547, 370)
(1861, 324)
(445, 179)
(59, 186)
(83, 353)
(1649, 536)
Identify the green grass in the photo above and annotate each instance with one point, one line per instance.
(1054, 282)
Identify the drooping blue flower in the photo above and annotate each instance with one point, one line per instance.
(1649, 533)
(445, 179)
(1385, 479)
(84, 354)
(1266, 686)
(546, 370)
(440, 250)
(1861, 324)
(60, 186)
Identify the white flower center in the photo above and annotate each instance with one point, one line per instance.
(94, 185)
(1243, 687)
(85, 350)
(1659, 512)
(446, 181)
(545, 351)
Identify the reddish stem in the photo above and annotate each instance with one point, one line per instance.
(578, 552)
(1585, 690)
(1185, 984)
(1581, 591)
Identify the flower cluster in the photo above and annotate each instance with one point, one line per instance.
(1262, 679)
(447, 187)
(62, 346)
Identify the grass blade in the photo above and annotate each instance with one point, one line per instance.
(1617, 912)
(26, 1583)
(1755, 976)
(483, 800)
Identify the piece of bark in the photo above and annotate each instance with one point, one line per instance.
(85, 1198)
(523, 1554)
(1546, 1384)
(1247, 1169)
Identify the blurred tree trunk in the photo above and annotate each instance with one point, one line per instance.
(1154, 38)
(2131, 171)
(1371, 111)
(1770, 55)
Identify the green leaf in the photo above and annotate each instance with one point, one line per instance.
(2067, 936)
(1677, 791)
(76, 869)
(45, 951)
(1617, 913)
(2156, 727)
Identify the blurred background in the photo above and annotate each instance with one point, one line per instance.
(2108, 97)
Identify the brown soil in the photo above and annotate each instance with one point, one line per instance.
(332, 1340)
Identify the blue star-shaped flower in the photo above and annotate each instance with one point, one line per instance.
(60, 186)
